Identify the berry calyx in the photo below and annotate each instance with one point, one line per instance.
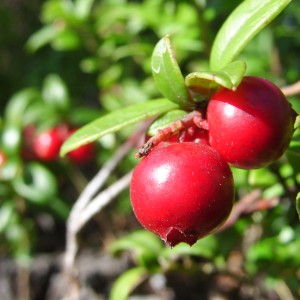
(182, 191)
(252, 126)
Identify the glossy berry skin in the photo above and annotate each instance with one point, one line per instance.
(252, 126)
(182, 191)
(84, 154)
(46, 144)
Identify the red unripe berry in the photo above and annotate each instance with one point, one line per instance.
(182, 191)
(252, 126)
(47, 144)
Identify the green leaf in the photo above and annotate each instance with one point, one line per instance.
(36, 183)
(250, 17)
(126, 283)
(167, 74)
(205, 247)
(143, 244)
(115, 121)
(262, 178)
(82, 8)
(55, 93)
(18, 104)
(165, 120)
(298, 204)
(42, 37)
(206, 83)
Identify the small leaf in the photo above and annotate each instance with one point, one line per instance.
(36, 183)
(205, 247)
(55, 93)
(18, 104)
(115, 121)
(298, 204)
(42, 37)
(250, 17)
(167, 74)
(206, 83)
(126, 283)
(82, 8)
(144, 245)
(165, 120)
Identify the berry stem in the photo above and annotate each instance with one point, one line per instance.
(195, 118)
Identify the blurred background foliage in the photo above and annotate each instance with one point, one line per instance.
(64, 61)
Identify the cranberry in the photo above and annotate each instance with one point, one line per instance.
(83, 154)
(252, 126)
(46, 144)
(182, 191)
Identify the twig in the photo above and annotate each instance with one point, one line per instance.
(88, 204)
(291, 90)
(248, 204)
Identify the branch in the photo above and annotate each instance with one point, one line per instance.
(89, 203)
(250, 203)
(291, 90)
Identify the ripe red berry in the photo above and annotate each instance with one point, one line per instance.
(47, 144)
(182, 191)
(3, 158)
(252, 126)
(83, 154)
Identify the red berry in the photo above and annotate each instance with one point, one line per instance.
(182, 191)
(252, 126)
(47, 144)
(83, 154)
(3, 158)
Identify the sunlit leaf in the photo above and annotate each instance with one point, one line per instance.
(166, 120)
(82, 8)
(115, 121)
(298, 204)
(143, 245)
(126, 283)
(36, 183)
(18, 104)
(205, 247)
(241, 26)
(55, 93)
(167, 74)
(42, 37)
(206, 83)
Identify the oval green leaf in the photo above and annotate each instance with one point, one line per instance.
(250, 17)
(126, 283)
(115, 121)
(165, 120)
(205, 83)
(167, 74)
(37, 184)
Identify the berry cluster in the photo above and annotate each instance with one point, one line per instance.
(45, 145)
(183, 188)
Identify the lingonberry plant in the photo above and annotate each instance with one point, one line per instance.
(181, 189)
